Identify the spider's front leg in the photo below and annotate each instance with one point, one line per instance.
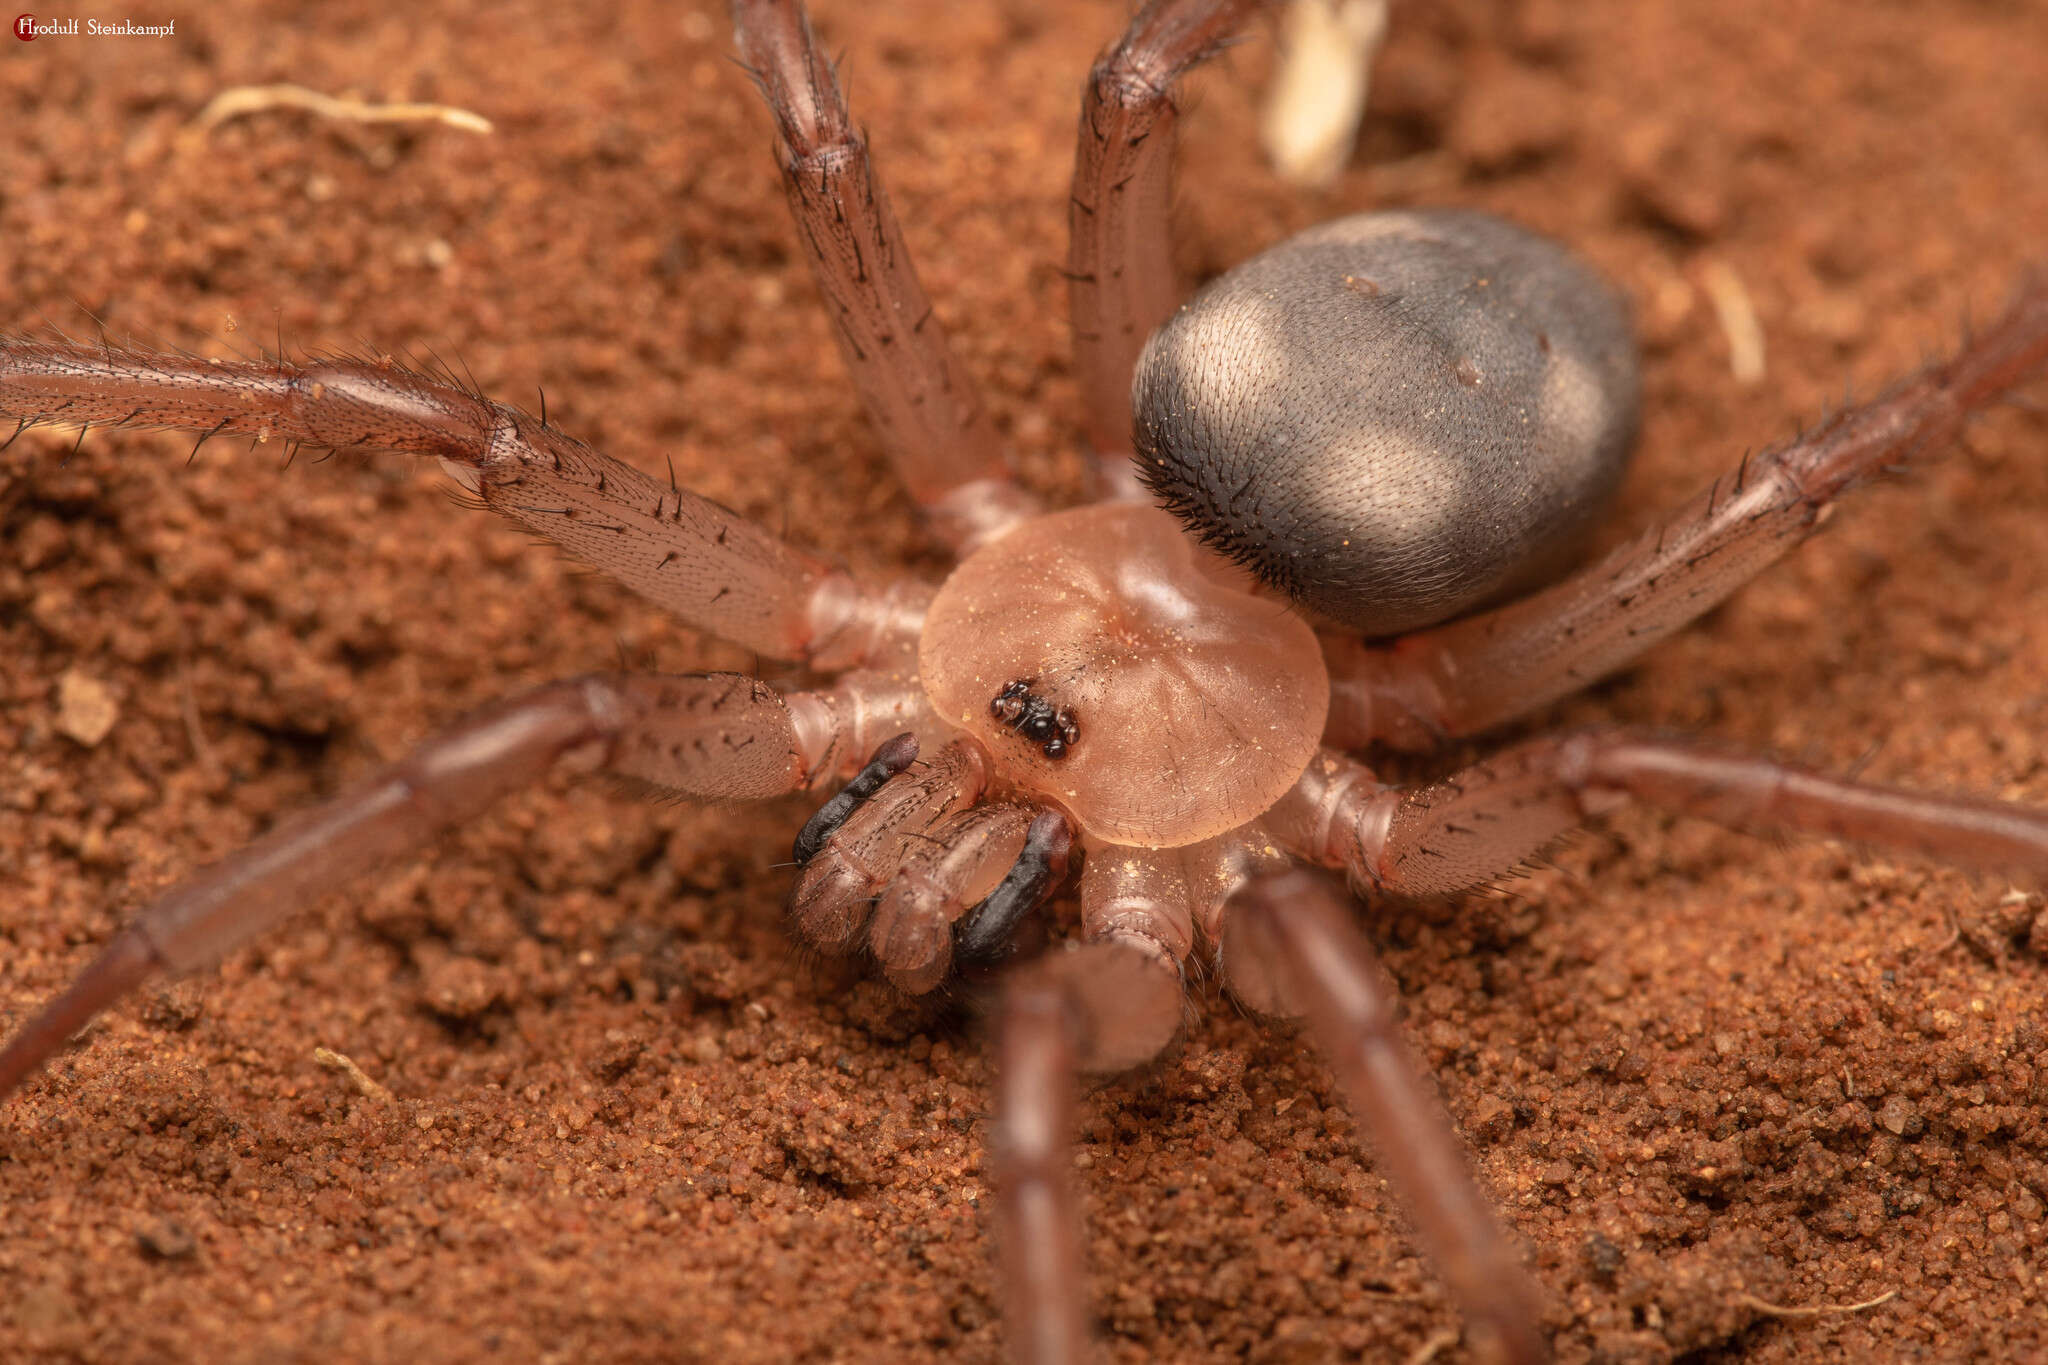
(1120, 249)
(711, 737)
(922, 402)
(709, 566)
(1469, 675)
(1110, 1003)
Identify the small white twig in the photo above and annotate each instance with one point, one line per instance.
(253, 99)
(335, 1061)
(1435, 1346)
(1776, 1310)
(1737, 316)
(1317, 98)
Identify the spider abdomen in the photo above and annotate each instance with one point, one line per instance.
(1392, 418)
(1175, 707)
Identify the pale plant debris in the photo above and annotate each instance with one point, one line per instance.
(242, 100)
(1736, 313)
(1320, 79)
(1779, 1310)
(366, 1087)
(1435, 1345)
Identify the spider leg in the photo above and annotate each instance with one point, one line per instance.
(1463, 677)
(922, 402)
(711, 567)
(1120, 250)
(710, 736)
(1065, 1013)
(1297, 930)
(1099, 1008)
(1152, 902)
(1489, 818)
(1110, 1003)
(1038, 1212)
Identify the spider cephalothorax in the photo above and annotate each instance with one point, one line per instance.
(1389, 421)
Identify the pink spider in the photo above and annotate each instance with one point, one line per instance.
(1393, 424)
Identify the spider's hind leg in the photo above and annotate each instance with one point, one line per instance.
(1488, 819)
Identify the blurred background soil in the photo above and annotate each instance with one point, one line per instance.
(621, 1118)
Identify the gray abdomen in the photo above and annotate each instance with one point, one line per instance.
(1395, 417)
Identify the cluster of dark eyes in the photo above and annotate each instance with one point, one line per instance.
(1053, 729)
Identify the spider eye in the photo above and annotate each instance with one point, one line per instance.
(1393, 418)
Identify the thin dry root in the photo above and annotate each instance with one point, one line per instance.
(241, 100)
(1776, 1310)
(367, 1088)
(1737, 316)
(1435, 1346)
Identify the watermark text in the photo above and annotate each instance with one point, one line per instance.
(28, 28)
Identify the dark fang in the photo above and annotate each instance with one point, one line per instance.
(1032, 716)
(890, 759)
(982, 936)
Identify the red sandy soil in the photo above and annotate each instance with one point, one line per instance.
(626, 1121)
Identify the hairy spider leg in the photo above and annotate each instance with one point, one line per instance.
(925, 407)
(1469, 675)
(1030, 1149)
(1485, 820)
(1302, 929)
(1120, 277)
(708, 565)
(715, 736)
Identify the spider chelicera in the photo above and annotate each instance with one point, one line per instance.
(971, 867)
